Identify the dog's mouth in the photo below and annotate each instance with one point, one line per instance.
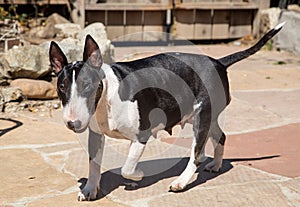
(76, 126)
(79, 130)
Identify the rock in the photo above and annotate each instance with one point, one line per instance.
(66, 30)
(57, 19)
(269, 19)
(13, 107)
(97, 31)
(56, 105)
(73, 47)
(70, 48)
(35, 89)
(294, 7)
(50, 31)
(8, 94)
(288, 38)
(44, 107)
(27, 62)
(4, 68)
(70, 41)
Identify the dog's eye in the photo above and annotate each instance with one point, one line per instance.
(87, 86)
(61, 87)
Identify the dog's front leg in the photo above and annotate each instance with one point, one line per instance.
(130, 170)
(95, 149)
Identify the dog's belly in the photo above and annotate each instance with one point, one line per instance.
(111, 133)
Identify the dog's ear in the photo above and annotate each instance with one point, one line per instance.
(57, 58)
(92, 53)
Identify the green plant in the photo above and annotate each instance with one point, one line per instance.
(280, 62)
(3, 13)
(268, 45)
(12, 14)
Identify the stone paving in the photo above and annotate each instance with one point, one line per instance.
(44, 164)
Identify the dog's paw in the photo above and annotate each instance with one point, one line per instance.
(88, 193)
(178, 185)
(136, 176)
(213, 167)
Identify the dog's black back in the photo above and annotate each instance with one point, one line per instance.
(173, 83)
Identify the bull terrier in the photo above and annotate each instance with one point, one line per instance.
(133, 100)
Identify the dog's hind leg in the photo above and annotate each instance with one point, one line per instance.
(130, 170)
(201, 127)
(181, 182)
(218, 140)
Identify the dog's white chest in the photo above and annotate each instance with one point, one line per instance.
(116, 118)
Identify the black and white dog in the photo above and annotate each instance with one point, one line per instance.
(133, 100)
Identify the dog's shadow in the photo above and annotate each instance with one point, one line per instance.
(112, 179)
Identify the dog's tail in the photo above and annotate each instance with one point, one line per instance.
(233, 58)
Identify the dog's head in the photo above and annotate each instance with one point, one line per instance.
(79, 84)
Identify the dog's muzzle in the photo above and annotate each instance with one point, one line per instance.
(76, 126)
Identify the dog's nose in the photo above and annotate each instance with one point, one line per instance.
(74, 125)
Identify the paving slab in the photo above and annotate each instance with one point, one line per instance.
(44, 164)
(274, 150)
(69, 200)
(282, 103)
(249, 194)
(30, 130)
(155, 187)
(240, 117)
(269, 150)
(293, 185)
(34, 161)
(264, 79)
(273, 107)
(26, 176)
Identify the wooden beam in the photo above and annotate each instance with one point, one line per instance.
(217, 5)
(40, 2)
(127, 6)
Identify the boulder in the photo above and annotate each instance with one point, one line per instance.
(97, 31)
(288, 38)
(50, 31)
(8, 94)
(73, 47)
(4, 68)
(27, 62)
(66, 30)
(269, 19)
(35, 89)
(294, 7)
(70, 48)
